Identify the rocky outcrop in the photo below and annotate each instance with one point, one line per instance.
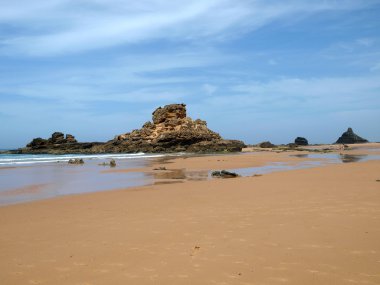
(267, 144)
(58, 143)
(172, 131)
(301, 141)
(56, 138)
(169, 131)
(349, 137)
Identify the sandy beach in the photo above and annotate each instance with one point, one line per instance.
(318, 225)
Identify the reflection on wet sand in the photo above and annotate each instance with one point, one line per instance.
(18, 184)
(339, 158)
(346, 158)
(167, 176)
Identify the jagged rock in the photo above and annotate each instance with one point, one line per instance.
(70, 138)
(267, 144)
(37, 142)
(349, 137)
(57, 144)
(76, 161)
(224, 174)
(169, 112)
(57, 138)
(170, 131)
(301, 141)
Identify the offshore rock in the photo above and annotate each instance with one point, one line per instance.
(58, 143)
(301, 141)
(349, 137)
(170, 131)
(266, 144)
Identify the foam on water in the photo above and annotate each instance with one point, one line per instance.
(25, 159)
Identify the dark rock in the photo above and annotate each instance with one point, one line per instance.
(170, 131)
(266, 145)
(70, 138)
(57, 138)
(224, 174)
(37, 142)
(349, 137)
(301, 141)
(112, 163)
(76, 161)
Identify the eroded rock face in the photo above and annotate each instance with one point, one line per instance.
(172, 131)
(349, 137)
(170, 114)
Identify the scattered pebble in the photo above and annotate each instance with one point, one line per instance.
(76, 161)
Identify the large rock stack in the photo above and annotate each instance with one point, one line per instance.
(349, 137)
(172, 131)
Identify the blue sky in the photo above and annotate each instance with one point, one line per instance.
(255, 70)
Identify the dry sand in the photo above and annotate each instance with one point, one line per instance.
(310, 226)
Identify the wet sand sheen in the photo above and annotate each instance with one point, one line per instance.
(310, 226)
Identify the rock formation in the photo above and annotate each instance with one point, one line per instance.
(301, 141)
(350, 137)
(267, 144)
(56, 138)
(170, 131)
(224, 174)
(76, 161)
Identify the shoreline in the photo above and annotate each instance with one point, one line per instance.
(307, 226)
(181, 168)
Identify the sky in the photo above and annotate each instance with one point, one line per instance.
(255, 70)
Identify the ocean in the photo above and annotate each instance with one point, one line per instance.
(30, 159)
(26, 177)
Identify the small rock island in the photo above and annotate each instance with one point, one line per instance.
(349, 137)
(170, 131)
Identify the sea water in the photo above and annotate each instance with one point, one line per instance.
(33, 177)
(30, 159)
(27, 177)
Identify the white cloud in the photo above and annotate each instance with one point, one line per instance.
(67, 26)
(322, 94)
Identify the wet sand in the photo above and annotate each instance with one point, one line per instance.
(310, 226)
